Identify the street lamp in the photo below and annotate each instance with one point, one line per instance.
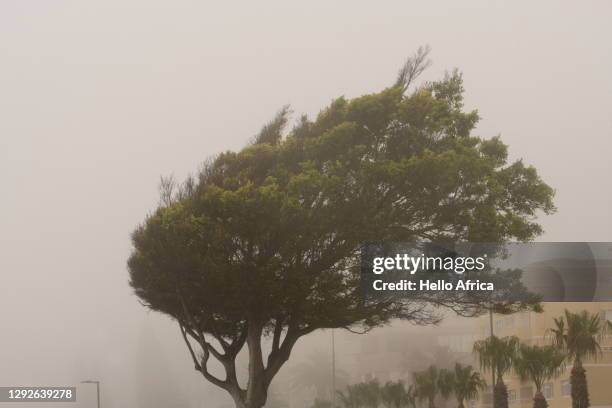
(97, 388)
(333, 396)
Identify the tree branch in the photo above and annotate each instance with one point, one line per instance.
(202, 365)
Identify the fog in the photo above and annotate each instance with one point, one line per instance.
(100, 98)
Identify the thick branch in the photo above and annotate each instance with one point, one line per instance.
(278, 330)
(202, 365)
(277, 358)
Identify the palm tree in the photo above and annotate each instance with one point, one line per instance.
(370, 393)
(539, 364)
(446, 382)
(350, 397)
(429, 383)
(396, 395)
(411, 397)
(497, 355)
(365, 394)
(578, 335)
(467, 382)
(318, 403)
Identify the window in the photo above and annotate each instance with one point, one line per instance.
(566, 388)
(511, 396)
(547, 390)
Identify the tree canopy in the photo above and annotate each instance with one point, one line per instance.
(264, 242)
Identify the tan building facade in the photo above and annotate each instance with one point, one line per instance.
(534, 328)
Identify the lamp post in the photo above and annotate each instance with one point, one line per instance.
(333, 396)
(492, 368)
(97, 388)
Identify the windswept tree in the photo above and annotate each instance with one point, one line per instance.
(261, 247)
(578, 335)
(539, 364)
(497, 355)
(467, 383)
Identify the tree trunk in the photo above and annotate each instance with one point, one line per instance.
(257, 389)
(539, 401)
(580, 391)
(500, 394)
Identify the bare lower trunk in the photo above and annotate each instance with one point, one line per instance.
(580, 391)
(257, 388)
(539, 401)
(500, 394)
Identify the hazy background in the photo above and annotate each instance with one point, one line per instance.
(100, 98)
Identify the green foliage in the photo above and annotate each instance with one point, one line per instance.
(446, 382)
(466, 383)
(396, 395)
(539, 363)
(264, 242)
(371, 394)
(361, 395)
(578, 335)
(462, 381)
(497, 354)
(427, 385)
(318, 403)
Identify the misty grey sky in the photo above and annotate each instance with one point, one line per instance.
(100, 98)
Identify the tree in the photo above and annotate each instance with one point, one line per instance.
(429, 383)
(370, 393)
(497, 355)
(396, 395)
(350, 398)
(262, 247)
(539, 364)
(446, 382)
(411, 397)
(365, 394)
(578, 335)
(466, 383)
(319, 403)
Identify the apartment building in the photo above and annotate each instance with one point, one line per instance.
(534, 328)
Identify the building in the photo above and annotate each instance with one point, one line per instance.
(534, 328)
